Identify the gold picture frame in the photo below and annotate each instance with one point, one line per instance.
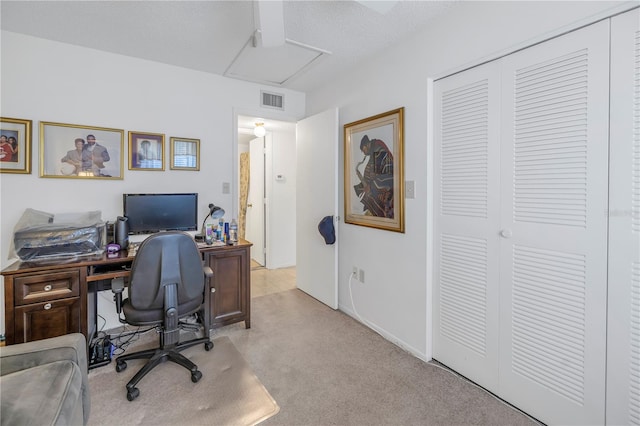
(15, 145)
(146, 151)
(185, 154)
(98, 157)
(374, 171)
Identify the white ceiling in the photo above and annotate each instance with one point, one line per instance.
(208, 35)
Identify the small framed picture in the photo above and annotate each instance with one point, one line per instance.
(185, 154)
(75, 151)
(15, 145)
(374, 171)
(146, 151)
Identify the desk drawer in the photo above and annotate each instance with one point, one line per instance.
(45, 287)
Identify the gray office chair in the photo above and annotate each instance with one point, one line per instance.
(166, 283)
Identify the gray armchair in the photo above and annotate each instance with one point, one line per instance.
(45, 382)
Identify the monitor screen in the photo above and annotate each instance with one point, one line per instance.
(148, 213)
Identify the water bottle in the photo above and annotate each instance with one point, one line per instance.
(208, 237)
(233, 231)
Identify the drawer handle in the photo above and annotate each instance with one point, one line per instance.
(213, 290)
(47, 287)
(47, 306)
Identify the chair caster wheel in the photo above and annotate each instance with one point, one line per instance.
(196, 376)
(208, 346)
(121, 366)
(133, 393)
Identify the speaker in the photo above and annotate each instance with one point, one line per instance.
(122, 232)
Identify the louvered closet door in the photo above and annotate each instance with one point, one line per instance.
(553, 246)
(466, 218)
(623, 336)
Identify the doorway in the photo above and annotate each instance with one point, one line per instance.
(266, 185)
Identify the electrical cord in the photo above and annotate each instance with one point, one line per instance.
(104, 324)
(355, 311)
(353, 305)
(122, 340)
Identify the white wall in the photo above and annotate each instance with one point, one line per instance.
(396, 298)
(49, 81)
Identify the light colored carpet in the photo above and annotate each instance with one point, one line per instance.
(229, 393)
(324, 368)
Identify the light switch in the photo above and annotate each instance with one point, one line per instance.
(226, 188)
(410, 189)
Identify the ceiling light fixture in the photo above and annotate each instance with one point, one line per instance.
(259, 130)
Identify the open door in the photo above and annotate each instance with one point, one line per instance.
(255, 229)
(317, 197)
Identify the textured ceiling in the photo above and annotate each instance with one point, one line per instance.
(207, 35)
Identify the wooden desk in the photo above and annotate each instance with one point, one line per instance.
(48, 299)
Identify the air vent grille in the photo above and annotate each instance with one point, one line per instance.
(272, 100)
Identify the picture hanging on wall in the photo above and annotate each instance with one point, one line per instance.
(81, 152)
(374, 171)
(15, 145)
(146, 151)
(185, 154)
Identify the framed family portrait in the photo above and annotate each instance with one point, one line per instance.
(185, 154)
(146, 151)
(81, 152)
(374, 171)
(15, 145)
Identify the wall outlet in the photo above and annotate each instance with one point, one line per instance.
(361, 276)
(355, 271)
(226, 188)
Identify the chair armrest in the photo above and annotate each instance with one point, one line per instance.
(21, 356)
(72, 347)
(208, 272)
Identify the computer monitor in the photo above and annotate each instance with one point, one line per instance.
(149, 213)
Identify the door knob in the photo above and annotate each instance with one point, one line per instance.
(506, 233)
(249, 205)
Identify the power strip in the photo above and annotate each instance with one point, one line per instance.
(100, 353)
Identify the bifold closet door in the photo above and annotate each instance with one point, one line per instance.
(553, 227)
(623, 336)
(466, 189)
(520, 232)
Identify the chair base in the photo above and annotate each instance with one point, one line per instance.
(156, 357)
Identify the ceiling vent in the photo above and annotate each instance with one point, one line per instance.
(272, 100)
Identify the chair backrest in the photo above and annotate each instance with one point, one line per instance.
(163, 259)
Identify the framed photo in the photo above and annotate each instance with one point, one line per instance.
(374, 171)
(185, 154)
(146, 151)
(15, 145)
(75, 151)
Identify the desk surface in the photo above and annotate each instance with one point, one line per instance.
(105, 259)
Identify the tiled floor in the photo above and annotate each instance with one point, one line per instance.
(266, 281)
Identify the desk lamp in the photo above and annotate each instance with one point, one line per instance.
(215, 212)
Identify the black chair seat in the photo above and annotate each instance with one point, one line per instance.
(153, 316)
